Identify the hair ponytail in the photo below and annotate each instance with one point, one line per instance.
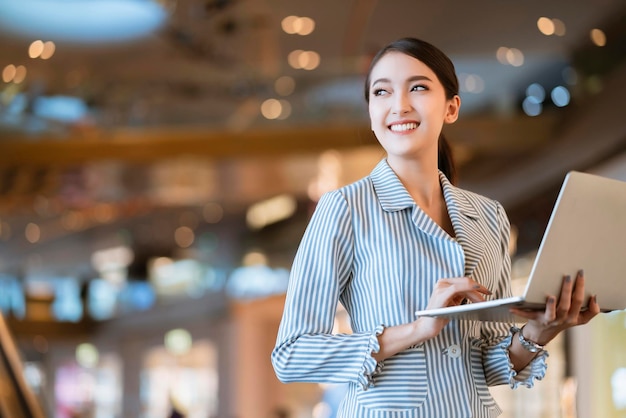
(445, 160)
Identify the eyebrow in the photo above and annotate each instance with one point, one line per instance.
(410, 79)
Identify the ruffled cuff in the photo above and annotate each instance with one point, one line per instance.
(371, 368)
(535, 370)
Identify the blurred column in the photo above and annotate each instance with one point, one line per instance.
(131, 353)
(257, 391)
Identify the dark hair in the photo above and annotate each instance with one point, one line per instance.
(443, 68)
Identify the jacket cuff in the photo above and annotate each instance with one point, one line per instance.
(535, 370)
(370, 367)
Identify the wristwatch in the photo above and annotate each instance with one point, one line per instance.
(531, 346)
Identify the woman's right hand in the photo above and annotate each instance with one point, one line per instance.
(447, 292)
(450, 292)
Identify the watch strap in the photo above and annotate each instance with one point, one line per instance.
(528, 345)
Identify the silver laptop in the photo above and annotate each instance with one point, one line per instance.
(586, 230)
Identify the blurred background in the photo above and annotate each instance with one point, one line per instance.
(159, 161)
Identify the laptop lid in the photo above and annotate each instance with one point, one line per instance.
(586, 230)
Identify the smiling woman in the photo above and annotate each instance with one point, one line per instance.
(93, 21)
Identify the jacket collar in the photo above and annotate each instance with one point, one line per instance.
(469, 229)
(391, 193)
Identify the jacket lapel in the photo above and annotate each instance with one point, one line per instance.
(469, 228)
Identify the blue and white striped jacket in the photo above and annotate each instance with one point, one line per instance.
(370, 247)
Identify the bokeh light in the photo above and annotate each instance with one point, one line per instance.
(178, 341)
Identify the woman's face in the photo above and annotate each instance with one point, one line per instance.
(408, 106)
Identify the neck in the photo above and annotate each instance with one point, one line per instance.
(420, 179)
(422, 183)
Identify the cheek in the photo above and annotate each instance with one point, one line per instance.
(376, 116)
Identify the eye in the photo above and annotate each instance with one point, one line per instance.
(419, 87)
(379, 92)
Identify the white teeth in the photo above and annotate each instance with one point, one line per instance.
(401, 127)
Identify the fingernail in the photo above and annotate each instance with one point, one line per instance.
(581, 273)
(476, 286)
(568, 278)
(551, 299)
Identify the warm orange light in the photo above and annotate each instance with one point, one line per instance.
(212, 213)
(20, 74)
(598, 37)
(35, 49)
(285, 85)
(510, 56)
(32, 233)
(184, 236)
(288, 24)
(545, 26)
(298, 25)
(271, 109)
(559, 27)
(8, 73)
(48, 50)
(304, 60)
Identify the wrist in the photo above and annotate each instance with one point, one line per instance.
(536, 335)
(424, 329)
(529, 344)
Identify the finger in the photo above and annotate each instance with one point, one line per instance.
(445, 296)
(528, 314)
(565, 298)
(463, 284)
(592, 310)
(457, 281)
(578, 297)
(546, 317)
(452, 291)
(550, 314)
(457, 297)
(594, 306)
(482, 289)
(458, 300)
(446, 282)
(476, 296)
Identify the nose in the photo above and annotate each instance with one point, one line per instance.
(401, 103)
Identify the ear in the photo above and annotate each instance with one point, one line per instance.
(452, 109)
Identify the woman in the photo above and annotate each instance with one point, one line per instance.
(402, 239)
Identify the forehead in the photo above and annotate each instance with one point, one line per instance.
(399, 66)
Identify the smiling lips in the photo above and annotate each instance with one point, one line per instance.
(403, 127)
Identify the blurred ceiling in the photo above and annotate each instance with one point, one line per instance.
(178, 115)
(211, 63)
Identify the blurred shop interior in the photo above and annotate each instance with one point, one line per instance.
(159, 160)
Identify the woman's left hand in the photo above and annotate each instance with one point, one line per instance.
(562, 313)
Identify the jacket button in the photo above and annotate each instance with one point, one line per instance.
(454, 351)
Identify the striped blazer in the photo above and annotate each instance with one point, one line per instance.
(369, 247)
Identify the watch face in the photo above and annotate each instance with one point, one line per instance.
(531, 348)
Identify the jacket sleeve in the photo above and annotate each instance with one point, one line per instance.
(497, 337)
(306, 349)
